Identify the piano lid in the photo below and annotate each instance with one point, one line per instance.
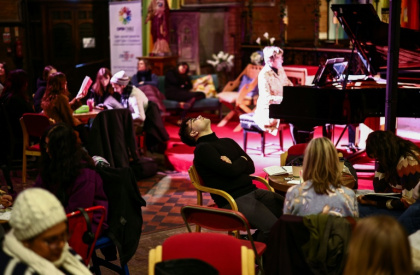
(370, 35)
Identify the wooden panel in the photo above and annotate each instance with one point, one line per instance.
(10, 11)
(301, 20)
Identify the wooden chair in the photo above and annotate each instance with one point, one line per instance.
(223, 252)
(33, 125)
(217, 219)
(237, 101)
(82, 238)
(200, 187)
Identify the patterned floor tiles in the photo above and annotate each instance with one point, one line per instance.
(165, 195)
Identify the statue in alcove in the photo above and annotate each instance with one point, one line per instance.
(158, 15)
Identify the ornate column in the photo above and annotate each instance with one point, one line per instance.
(328, 19)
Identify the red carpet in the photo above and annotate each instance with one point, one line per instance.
(181, 155)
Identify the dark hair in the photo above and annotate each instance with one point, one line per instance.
(56, 85)
(126, 93)
(3, 78)
(97, 86)
(17, 84)
(146, 63)
(47, 71)
(185, 131)
(61, 165)
(183, 64)
(387, 148)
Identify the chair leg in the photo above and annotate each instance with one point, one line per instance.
(23, 170)
(281, 137)
(245, 139)
(263, 143)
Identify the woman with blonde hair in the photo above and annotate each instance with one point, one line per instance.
(321, 191)
(379, 245)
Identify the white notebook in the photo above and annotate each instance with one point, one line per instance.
(278, 170)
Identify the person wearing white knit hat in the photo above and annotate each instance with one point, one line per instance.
(37, 241)
(132, 98)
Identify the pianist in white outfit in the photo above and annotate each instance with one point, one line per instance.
(271, 80)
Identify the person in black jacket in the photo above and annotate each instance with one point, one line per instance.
(222, 164)
(41, 86)
(178, 87)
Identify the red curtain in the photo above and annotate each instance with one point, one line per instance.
(410, 14)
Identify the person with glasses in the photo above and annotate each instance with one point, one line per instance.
(132, 98)
(37, 241)
(223, 164)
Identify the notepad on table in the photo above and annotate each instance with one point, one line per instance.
(382, 196)
(278, 170)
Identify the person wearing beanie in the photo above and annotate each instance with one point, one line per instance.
(37, 241)
(132, 98)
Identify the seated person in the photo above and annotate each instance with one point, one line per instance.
(41, 85)
(178, 87)
(37, 241)
(102, 92)
(56, 105)
(147, 82)
(321, 191)
(68, 172)
(397, 171)
(132, 98)
(3, 75)
(16, 102)
(271, 80)
(144, 75)
(222, 164)
(378, 245)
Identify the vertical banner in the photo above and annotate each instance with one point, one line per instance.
(125, 30)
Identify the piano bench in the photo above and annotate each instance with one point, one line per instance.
(249, 126)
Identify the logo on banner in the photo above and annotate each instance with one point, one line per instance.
(125, 15)
(126, 56)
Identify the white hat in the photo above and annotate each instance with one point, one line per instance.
(34, 211)
(270, 51)
(120, 78)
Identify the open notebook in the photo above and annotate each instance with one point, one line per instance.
(278, 170)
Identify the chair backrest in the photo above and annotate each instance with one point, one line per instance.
(35, 124)
(218, 219)
(243, 100)
(112, 137)
(79, 226)
(223, 252)
(251, 71)
(313, 244)
(200, 187)
(296, 75)
(295, 151)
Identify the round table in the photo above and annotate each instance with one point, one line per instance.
(279, 183)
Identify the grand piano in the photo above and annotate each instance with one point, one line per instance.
(329, 103)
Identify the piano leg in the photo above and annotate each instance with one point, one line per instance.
(301, 133)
